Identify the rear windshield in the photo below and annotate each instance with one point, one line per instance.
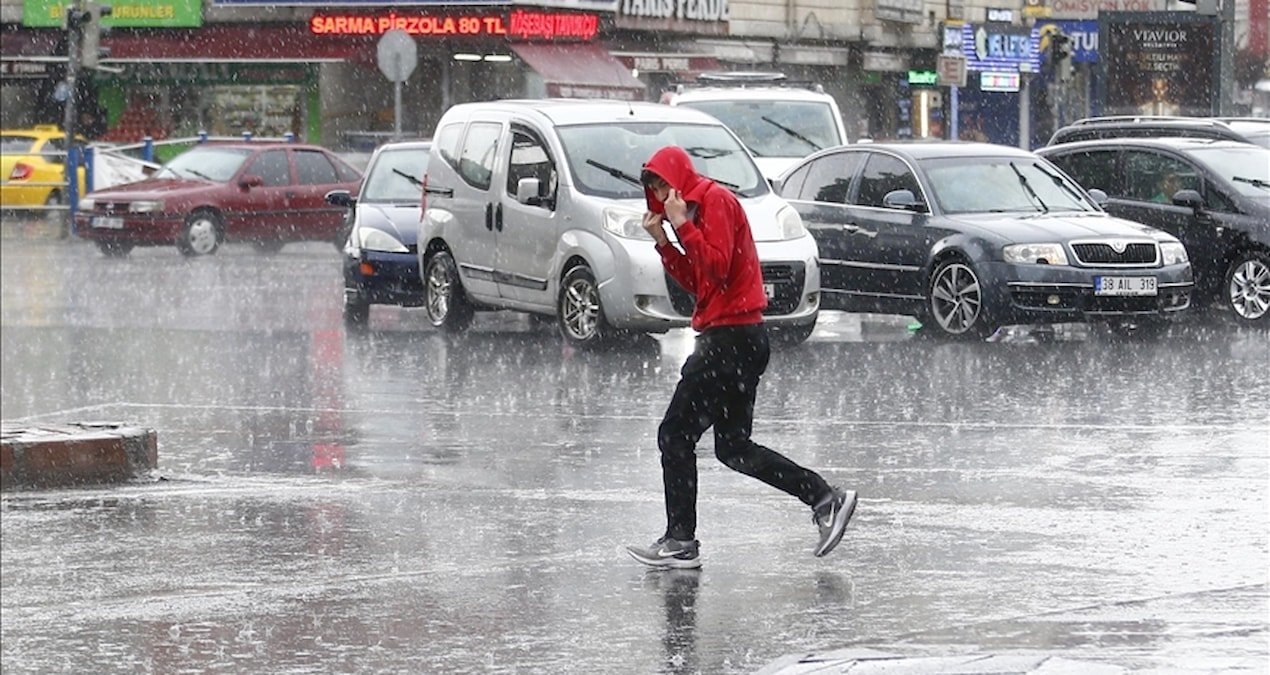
(16, 145)
(397, 176)
(208, 163)
(776, 128)
(715, 154)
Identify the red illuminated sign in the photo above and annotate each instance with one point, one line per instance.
(518, 24)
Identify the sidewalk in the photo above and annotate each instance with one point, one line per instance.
(78, 453)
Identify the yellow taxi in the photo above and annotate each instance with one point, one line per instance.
(32, 165)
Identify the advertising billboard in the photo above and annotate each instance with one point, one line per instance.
(1159, 63)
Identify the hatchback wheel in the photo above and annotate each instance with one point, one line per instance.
(956, 303)
(444, 298)
(200, 235)
(1248, 287)
(578, 309)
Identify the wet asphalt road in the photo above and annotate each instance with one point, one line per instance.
(393, 501)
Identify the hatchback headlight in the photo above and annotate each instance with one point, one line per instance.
(1173, 253)
(372, 239)
(791, 224)
(1035, 254)
(145, 206)
(626, 223)
(87, 204)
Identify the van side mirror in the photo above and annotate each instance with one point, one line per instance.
(902, 199)
(1189, 198)
(250, 181)
(529, 191)
(340, 198)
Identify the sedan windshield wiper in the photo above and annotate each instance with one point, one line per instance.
(791, 132)
(412, 179)
(1028, 186)
(1058, 180)
(1252, 181)
(200, 174)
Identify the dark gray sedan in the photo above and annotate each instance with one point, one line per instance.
(969, 237)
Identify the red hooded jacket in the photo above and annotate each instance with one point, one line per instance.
(720, 263)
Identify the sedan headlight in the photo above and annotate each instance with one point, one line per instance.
(87, 204)
(791, 224)
(372, 239)
(626, 223)
(1036, 254)
(145, 206)
(1173, 253)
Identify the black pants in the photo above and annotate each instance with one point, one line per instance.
(716, 388)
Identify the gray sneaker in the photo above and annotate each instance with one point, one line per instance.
(831, 515)
(667, 552)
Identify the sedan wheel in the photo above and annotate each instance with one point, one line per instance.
(201, 234)
(1248, 287)
(444, 298)
(580, 315)
(956, 300)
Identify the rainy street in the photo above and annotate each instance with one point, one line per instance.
(394, 500)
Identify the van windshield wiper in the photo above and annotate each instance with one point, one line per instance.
(791, 132)
(412, 179)
(622, 175)
(1252, 181)
(1028, 186)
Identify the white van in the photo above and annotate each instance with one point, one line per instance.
(779, 122)
(535, 206)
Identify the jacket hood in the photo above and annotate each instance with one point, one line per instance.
(675, 167)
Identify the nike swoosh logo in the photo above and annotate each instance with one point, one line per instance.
(663, 553)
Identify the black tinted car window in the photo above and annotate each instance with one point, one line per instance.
(530, 159)
(794, 182)
(830, 178)
(884, 174)
(1152, 177)
(1091, 169)
(272, 167)
(313, 168)
(476, 160)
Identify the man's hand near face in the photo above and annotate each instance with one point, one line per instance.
(652, 225)
(676, 208)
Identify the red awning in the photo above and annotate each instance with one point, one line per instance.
(580, 70)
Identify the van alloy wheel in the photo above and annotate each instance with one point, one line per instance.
(579, 311)
(444, 299)
(1248, 287)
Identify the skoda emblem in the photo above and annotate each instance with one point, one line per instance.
(1119, 245)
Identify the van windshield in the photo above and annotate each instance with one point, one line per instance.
(776, 128)
(626, 146)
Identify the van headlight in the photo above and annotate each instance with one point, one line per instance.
(1035, 254)
(791, 224)
(1173, 253)
(626, 223)
(371, 239)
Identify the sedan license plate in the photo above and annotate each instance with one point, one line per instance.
(108, 222)
(769, 289)
(1125, 286)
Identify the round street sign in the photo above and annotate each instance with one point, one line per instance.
(397, 55)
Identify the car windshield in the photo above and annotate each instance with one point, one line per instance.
(208, 163)
(776, 128)
(396, 177)
(626, 146)
(16, 145)
(1245, 167)
(1001, 184)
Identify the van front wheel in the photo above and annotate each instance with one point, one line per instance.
(578, 310)
(445, 300)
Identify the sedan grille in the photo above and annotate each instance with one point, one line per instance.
(1103, 253)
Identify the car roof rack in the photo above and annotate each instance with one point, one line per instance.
(1168, 119)
(744, 79)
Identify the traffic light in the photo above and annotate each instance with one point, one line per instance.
(91, 51)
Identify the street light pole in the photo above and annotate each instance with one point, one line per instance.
(74, 33)
(1226, 65)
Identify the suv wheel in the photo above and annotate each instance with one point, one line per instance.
(1248, 287)
(444, 298)
(578, 310)
(955, 303)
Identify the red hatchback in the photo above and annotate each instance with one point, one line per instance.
(264, 193)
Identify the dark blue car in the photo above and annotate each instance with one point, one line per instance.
(381, 264)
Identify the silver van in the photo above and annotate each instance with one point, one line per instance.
(535, 206)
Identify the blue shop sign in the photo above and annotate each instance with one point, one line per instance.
(1001, 48)
(1084, 35)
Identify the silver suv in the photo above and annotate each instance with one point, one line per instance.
(535, 206)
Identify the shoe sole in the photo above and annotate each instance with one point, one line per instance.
(839, 524)
(666, 563)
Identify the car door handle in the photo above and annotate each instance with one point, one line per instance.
(849, 227)
(489, 217)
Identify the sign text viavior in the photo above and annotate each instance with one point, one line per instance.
(690, 10)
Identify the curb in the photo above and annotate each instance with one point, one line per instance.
(78, 453)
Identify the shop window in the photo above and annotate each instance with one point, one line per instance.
(882, 175)
(529, 159)
(313, 168)
(830, 178)
(476, 160)
(272, 167)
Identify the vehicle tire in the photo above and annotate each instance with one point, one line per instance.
(114, 249)
(356, 313)
(201, 234)
(578, 311)
(445, 301)
(955, 304)
(1247, 288)
(791, 335)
